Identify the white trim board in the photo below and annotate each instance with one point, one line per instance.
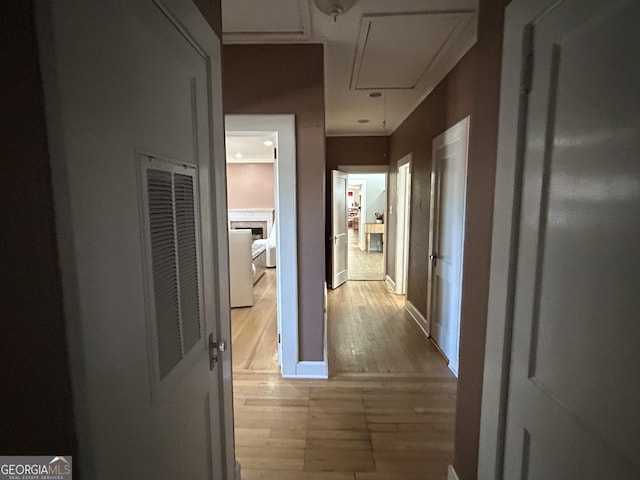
(390, 283)
(286, 227)
(364, 168)
(417, 316)
(451, 473)
(422, 323)
(309, 369)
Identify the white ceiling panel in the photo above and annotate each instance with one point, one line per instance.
(260, 21)
(251, 147)
(395, 51)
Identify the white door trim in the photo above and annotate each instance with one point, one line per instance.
(367, 169)
(403, 226)
(286, 226)
(504, 241)
(339, 230)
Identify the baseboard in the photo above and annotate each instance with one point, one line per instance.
(451, 473)
(326, 328)
(453, 368)
(417, 316)
(310, 369)
(390, 283)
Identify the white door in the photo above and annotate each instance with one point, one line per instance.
(573, 382)
(339, 231)
(403, 205)
(448, 184)
(131, 87)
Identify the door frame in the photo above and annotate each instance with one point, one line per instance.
(403, 231)
(507, 200)
(371, 169)
(336, 276)
(286, 227)
(459, 131)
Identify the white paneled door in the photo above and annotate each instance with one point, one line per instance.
(572, 319)
(133, 103)
(339, 232)
(448, 184)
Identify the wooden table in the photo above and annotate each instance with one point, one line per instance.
(370, 228)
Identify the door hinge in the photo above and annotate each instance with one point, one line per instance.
(215, 347)
(279, 339)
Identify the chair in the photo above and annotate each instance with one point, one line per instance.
(240, 268)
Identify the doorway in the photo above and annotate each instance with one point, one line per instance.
(284, 225)
(446, 239)
(403, 206)
(366, 205)
(365, 210)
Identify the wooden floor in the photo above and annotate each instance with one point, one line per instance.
(363, 265)
(386, 412)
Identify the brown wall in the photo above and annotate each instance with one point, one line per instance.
(357, 151)
(448, 103)
(250, 185)
(289, 79)
(480, 189)
(36, 410)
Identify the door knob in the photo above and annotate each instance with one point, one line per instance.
(433, 257)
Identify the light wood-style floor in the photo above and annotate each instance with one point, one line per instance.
(363, 265)
(386, 412)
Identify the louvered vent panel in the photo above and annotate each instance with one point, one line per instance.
(187, 260)
(165, 282)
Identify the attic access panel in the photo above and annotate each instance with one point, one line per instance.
(396, 51)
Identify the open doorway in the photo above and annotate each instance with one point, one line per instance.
(250, 160)
(274, 136)
(403, 225)
(366, 207)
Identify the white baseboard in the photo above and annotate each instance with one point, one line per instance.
(326, 328)
(453, 368)
(310, 369)
(390, 283)
(451, 473)
(417, 316)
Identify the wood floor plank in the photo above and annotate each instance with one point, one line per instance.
(387, 411)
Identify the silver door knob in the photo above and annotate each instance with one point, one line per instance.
(433, 257)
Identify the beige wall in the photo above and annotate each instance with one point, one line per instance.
(250, 185)
(289, 79)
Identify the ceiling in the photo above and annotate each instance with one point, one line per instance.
(254, 147)
(400, 48)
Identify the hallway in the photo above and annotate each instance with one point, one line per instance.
(364, 265)
(387, 411)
